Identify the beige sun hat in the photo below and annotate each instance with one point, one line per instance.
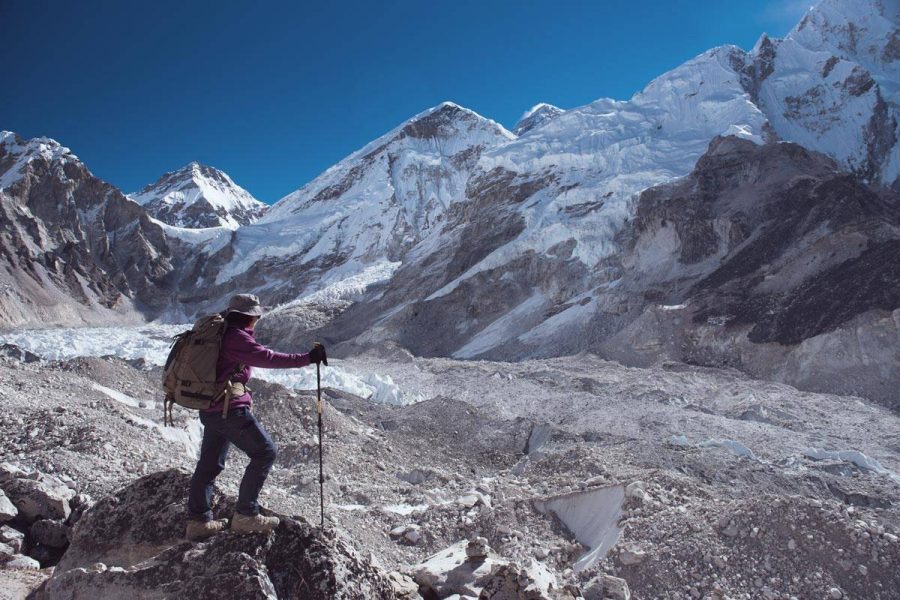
(245, 304)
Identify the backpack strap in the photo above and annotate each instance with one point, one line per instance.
(227, 390)
(168, 401)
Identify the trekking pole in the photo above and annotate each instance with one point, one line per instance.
(321, 472)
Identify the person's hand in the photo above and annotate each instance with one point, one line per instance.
(317, 354)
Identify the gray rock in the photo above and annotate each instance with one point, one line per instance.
(153, 522)
(45, 498)
(22, 562)
(450, 571)
(48, 532)
(13, 351)
(607, 587)
(404, 587)
(511, 582)
(9, 471)
(12, 537)
(6, 551)
(477, 548)
(80, 504)
(145, 521)
(8, 511)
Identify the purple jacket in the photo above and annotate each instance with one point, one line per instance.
(239, 348)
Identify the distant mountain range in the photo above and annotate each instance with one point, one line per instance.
(740, 210)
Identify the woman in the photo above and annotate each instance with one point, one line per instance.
(239, 352)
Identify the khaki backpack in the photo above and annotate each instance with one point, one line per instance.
(189, 377)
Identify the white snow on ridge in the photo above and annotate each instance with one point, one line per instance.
(378, 201)
(26, 151)
(152, 343)
(609, 151)
(177, 191)
(212, 239)
(861, 31)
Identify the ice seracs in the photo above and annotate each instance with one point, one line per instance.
(199, 196)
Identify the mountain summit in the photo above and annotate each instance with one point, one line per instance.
(536, 116)
(198, 196)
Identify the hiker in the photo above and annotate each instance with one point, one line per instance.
(231, 421)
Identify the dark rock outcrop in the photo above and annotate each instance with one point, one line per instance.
(72, 247)
(758, 250)
(130, 545)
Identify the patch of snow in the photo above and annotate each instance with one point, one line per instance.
(349, 507)
(404, 509)
(189, 437)
(672, 306)
(117, 396)
(212, 239)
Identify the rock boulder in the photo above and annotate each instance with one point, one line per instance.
(42, 498)
(8, 510)
(129, 545)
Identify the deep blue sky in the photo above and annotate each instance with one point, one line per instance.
(274, 93)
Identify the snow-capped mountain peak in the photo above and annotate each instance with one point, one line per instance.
(20, 152)
(197, 196)
(378, 202)
(536, 116)
(863, 31)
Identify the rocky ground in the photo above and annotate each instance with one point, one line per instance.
(702, 483)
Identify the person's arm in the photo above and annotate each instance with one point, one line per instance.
(245, 350)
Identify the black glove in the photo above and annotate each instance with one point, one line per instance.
(317, 354)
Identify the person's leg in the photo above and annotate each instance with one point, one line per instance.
(245, 432)
(213, 452)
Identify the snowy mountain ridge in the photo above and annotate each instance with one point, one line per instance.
(536, 116)
(199, 196)
(20, 153)
(377, 203)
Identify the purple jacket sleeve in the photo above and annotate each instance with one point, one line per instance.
(246, 350)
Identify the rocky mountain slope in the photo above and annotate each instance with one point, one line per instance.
(73, 248)
(198, 196)
(711, 483)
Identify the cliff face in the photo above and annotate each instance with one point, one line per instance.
(757, 256)
(73, 248)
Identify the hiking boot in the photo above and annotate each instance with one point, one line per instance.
(200, 530)
(256, 524)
